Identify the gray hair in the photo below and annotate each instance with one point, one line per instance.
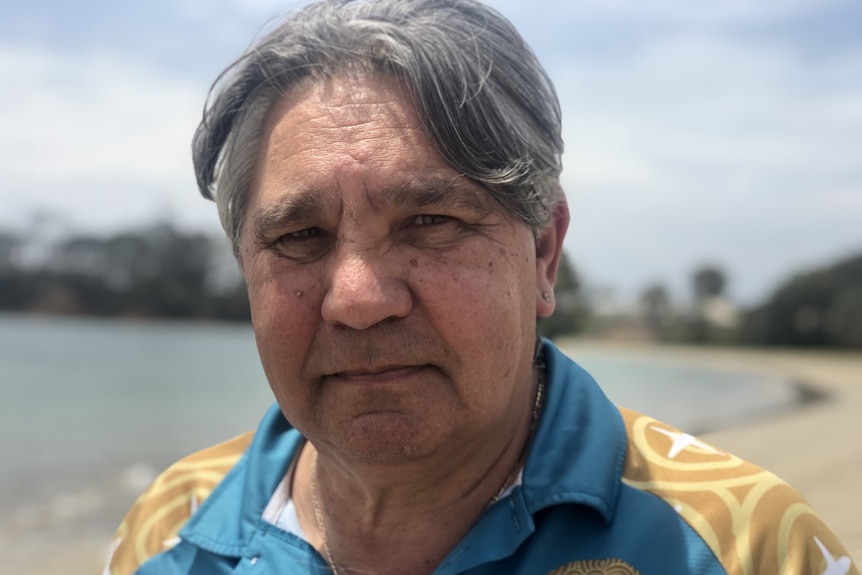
(481, 95)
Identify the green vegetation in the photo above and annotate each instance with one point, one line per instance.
(162, 272)
(570, 314)
(156, 272)
(818, 308)
(821, 308)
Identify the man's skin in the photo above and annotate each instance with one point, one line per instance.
(394, 304)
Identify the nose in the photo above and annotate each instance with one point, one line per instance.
(364, 290)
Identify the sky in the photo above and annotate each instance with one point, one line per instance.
(698, 132)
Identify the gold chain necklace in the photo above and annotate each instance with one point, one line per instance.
(537, 407)
(321, 520)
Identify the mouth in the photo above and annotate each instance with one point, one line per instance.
(379, 374)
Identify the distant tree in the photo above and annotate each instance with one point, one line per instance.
(230, 304)
(708, 281)
(568, 281)
(16, 284)
(157, 271)
(10, 243)
(842, 321)
(655, 304)
(821, 308)
(571, 312)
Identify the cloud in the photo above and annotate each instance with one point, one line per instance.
(726, 131)
(95, 131)
(702, 147)
(686, 15)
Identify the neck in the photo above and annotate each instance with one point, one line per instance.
(366, 518)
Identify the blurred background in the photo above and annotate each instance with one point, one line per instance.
(713, 169)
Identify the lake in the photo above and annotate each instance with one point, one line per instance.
(92, 409)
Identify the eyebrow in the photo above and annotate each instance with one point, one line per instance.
(451, 192)
(300, 206)
(308, 205)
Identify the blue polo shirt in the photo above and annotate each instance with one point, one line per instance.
(604, 490)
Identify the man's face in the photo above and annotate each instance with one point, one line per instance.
(393, 301)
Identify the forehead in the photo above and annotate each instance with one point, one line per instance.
(329, 140)
(360, 115)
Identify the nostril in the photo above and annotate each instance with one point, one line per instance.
(364, 309)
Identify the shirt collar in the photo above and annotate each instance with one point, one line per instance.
(245, 490)
(579, 448)
(576, 456)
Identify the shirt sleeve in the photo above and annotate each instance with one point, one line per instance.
(153, 523)
(753, 522)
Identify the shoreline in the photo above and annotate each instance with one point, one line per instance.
(813, 445)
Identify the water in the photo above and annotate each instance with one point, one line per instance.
(92, 409)
(695, 399)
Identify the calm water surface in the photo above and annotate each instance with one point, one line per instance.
(91, 409)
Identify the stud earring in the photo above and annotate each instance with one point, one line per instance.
(546, 296)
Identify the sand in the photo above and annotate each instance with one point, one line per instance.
(816, 447)
(72, 555)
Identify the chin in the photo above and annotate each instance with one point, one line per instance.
(391, 438)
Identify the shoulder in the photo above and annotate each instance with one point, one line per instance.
(751, 520)
(154, 521)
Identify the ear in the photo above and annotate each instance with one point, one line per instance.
(549, 248)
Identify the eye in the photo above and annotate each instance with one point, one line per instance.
(302, 234)
(430, 219)
(303, 245)
(434, 231)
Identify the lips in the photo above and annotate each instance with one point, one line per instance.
(379, 374)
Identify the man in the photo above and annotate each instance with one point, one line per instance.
(388, 173)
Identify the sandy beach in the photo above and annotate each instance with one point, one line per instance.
(816, 447)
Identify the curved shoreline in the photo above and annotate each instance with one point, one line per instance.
(816, 446)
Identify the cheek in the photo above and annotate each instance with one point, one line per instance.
(272, 283)
(284, 307)
(483, 290)
(285, 311)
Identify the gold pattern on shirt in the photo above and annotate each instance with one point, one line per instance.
(596, 567)
(751, 520)
(155, 520)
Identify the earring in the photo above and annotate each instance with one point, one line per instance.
(546, 296)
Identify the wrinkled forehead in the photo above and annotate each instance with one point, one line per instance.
(347, 110)
(345, 101)
(341, 91)
(325, 136)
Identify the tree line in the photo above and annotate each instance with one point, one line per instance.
(153, 272)
(820, 308)
(816, 308)
(160, 271)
